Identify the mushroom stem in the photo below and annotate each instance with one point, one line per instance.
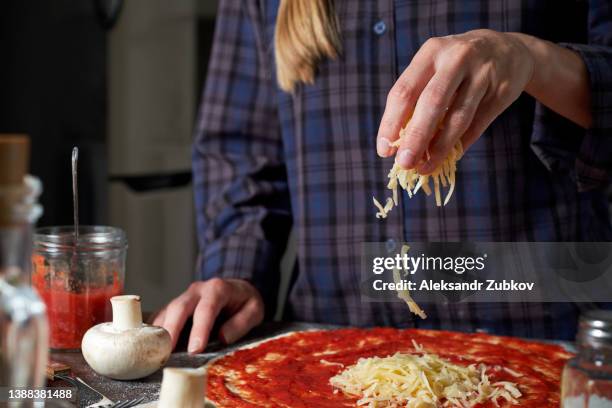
(182, 387)
(127, 313)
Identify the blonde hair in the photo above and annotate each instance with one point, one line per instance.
(306, 32)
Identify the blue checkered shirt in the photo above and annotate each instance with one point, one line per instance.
(265, 160)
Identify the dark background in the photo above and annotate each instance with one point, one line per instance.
(53, 86)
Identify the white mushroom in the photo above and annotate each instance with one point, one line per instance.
(182, 387)
(126, 349)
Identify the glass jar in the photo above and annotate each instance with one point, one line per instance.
(587, 378)
(76, 282)
(23, 323)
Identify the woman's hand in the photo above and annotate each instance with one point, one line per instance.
(205, 300)
(452, 90)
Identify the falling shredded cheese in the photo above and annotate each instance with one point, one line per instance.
(421, 381)
(404, 294)
(382, 211)
(411, 181)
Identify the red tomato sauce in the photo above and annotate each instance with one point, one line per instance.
(72, 313)
(299, 379)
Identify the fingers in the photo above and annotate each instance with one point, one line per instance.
(401, 100)
(429, 112)
(484, 116)
(177, 313)
(158, 318)
(504, 68)
(205, 300)
(213, 299)
(456, 122)
(249, 316)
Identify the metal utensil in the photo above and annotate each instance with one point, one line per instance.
(82, 385)
(74, 261)
(75, 193)
(127, 403)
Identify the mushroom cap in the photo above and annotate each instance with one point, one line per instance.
(126, 354)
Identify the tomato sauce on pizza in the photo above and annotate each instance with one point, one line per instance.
(294, 370)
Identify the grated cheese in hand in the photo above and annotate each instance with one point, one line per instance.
(421, 381)
(411, 181)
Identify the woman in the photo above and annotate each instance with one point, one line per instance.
(289, 134)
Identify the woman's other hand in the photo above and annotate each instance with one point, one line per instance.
(452, 90)
(205, 300)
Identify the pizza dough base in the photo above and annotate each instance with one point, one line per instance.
(499, 340)
(210, 404)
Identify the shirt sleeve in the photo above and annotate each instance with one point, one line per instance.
(586, 155)
(240, 179)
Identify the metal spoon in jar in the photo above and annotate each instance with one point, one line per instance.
(74, 264)
(75, 194)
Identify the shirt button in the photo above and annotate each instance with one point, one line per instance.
(380, 27)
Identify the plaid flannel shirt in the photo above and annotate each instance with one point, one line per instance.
(265, 160)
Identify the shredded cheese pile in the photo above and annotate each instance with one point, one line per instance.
(421, 381)
(411, 181)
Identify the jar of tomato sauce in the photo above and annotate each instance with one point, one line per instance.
(76, 277)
